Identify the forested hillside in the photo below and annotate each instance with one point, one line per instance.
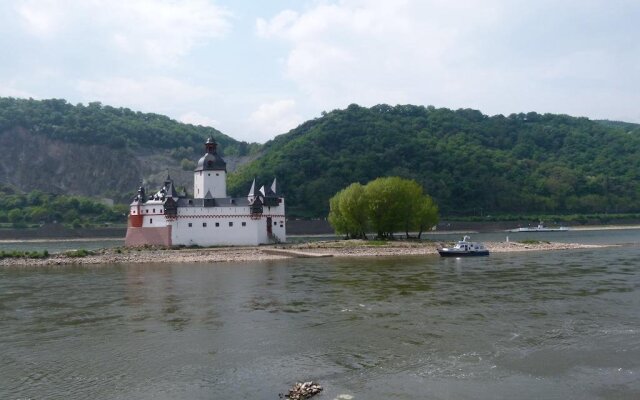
(97, 150)
(97, 124)
(471, 164)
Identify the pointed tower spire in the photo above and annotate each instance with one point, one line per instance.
(273, 186)
(252, 191)
(262, 190)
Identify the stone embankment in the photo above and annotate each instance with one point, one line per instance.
(339, 248)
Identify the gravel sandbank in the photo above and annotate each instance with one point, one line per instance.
(337, 248)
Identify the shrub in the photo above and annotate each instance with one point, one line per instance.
(78, 253)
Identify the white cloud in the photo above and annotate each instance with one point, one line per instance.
(9, 90)
(43, 18)
(195, 118)
(154, 94)
(368, 52)
(498, 56)
(181, 57)
(277, 24)
(159, 30)
(273, 118)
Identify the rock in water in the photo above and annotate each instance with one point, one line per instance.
(301, 391)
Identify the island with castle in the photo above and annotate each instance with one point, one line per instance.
(210, 218)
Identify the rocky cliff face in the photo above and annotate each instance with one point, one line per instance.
(35, 162)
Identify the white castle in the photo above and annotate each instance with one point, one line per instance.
(210, 218)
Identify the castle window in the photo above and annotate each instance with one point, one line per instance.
(275, 223)
(147, 211)
(217, 224)
(204, 224)
(208, 174)
(244, 224)
(161, 211)
(151, 220)
(190, 224)
(230, 223)
(217, 174)
(154, 210)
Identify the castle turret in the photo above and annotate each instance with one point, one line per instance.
(210, 175)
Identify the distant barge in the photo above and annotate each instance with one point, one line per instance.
(539, 228)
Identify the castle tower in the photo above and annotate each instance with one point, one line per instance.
(210, 175)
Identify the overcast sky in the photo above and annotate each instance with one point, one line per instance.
(255, 69)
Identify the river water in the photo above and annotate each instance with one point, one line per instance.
(543, 325)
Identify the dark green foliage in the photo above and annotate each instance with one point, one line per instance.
(471, 164)
(38, 207)
(187, 164)
(23, 254)
(109, 126)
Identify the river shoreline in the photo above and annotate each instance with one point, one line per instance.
(334, 248)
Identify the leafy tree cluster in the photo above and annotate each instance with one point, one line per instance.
(37, 207)
(99, 124)
(472, 164)
(384, 205)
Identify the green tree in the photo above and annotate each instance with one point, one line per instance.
(426, 215)
(348, 211)
(187, 164)
(336, 218)
(38, 214)
(388, 206)
(385, 204)
(409, 194)
(15, 215)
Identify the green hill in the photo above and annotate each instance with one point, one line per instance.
(97, 150)
(116, 128)
(471, 163)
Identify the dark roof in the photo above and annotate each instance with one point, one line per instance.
(169, 187)
(211, 161)
(218, 201)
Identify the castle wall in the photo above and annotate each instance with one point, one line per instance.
(214, 231)
(207, 226)
(231, 226)
(160, 236)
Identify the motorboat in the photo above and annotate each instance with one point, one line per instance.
(464, 248)
(539, 228)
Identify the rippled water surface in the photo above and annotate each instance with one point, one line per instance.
(544, 325)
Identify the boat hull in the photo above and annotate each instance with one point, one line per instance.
(444, 253)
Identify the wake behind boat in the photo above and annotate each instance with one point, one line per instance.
(539, 228)
(464, 248)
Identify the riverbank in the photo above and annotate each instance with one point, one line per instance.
(304, 228)
(339, 248)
